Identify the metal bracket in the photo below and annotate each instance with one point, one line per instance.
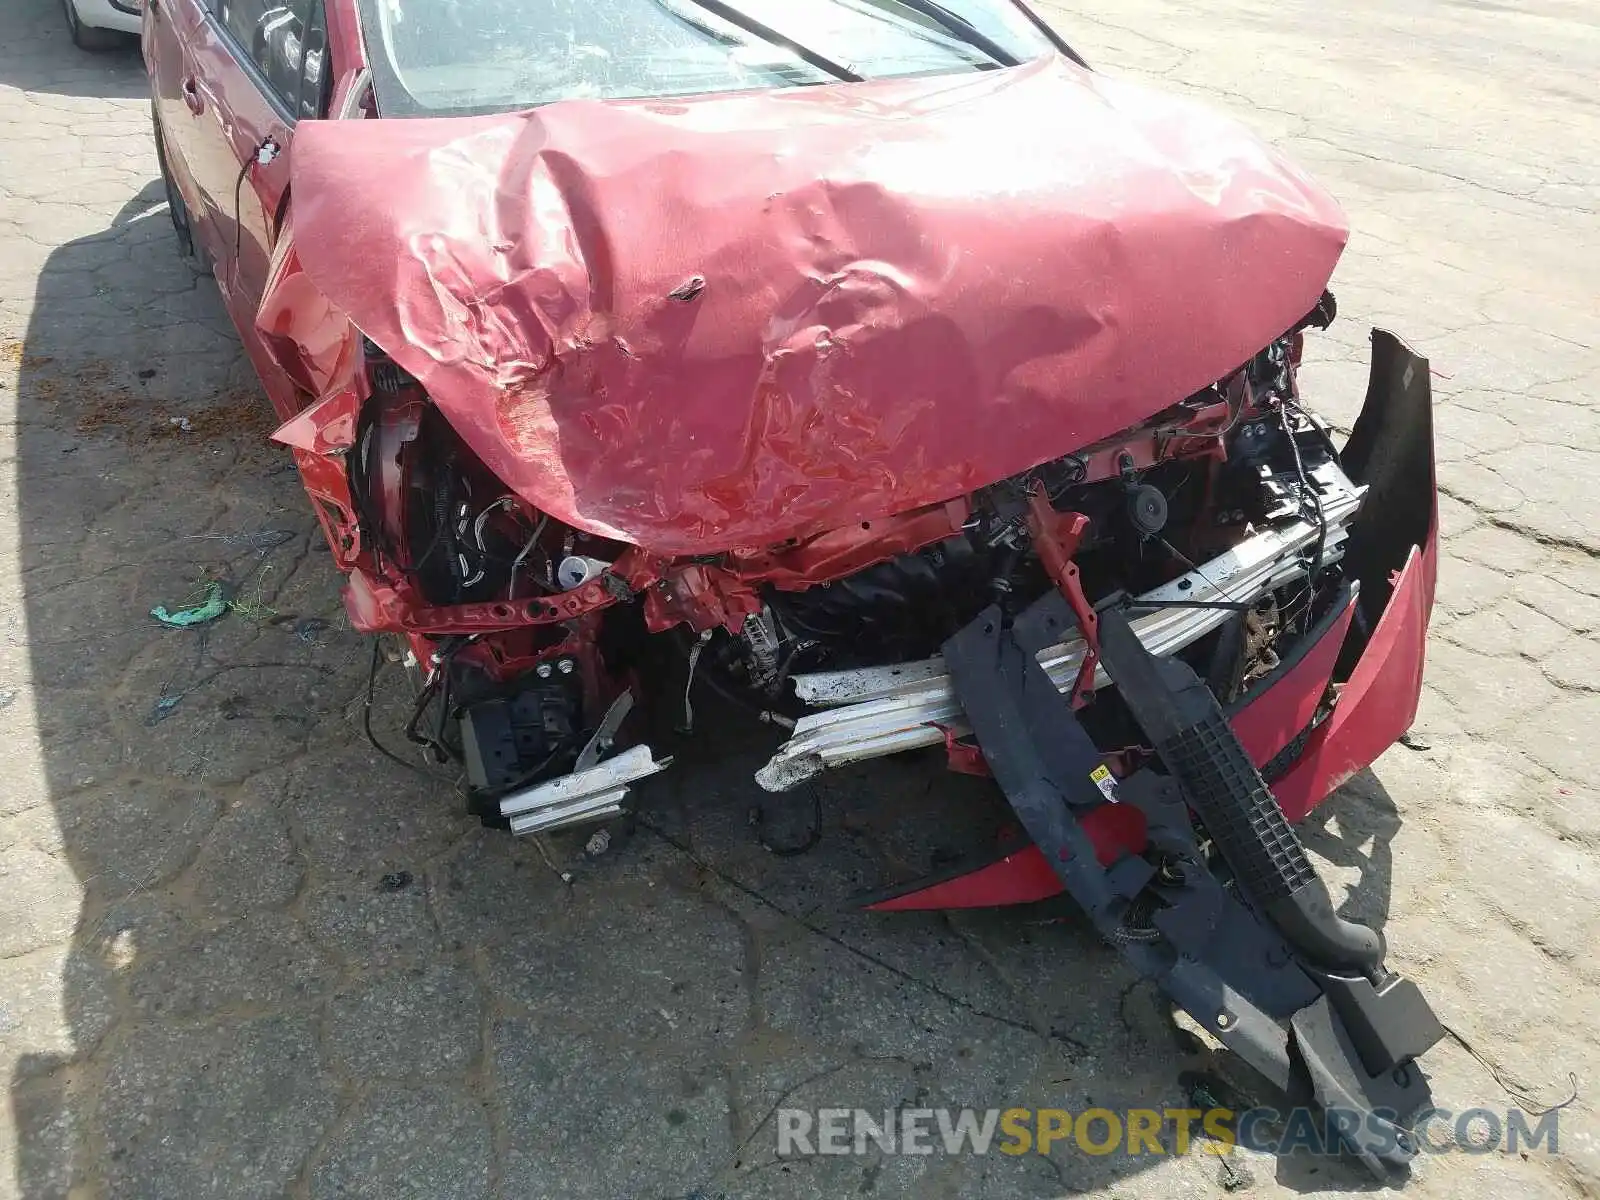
(582, 796)
(1056, 537)
(605, 736)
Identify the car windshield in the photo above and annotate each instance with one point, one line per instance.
(446, 57)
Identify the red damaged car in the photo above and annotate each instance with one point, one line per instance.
(875, 360)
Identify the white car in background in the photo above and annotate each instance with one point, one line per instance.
(102, 24)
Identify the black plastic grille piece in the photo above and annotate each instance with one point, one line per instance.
(1190, 732)
(1238, 810)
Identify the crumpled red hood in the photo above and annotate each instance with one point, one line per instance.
(724, 321)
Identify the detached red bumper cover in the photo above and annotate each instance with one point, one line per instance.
(1371, 650)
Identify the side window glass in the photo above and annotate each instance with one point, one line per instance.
(239, 17)
(274, 35)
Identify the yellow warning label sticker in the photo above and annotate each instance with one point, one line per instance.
(1105, 781)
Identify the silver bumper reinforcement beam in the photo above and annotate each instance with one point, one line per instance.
(876, 711)
(591, 794)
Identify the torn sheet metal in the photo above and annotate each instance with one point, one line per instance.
(723, 321)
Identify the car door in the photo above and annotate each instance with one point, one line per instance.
(164, 38)
(257, 66)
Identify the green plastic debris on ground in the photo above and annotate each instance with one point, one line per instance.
(210, 609)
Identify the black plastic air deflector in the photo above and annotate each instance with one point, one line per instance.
(1267, 855)
(1188, 729)
(1267, 967)
(1184, 722)
(1241, 975)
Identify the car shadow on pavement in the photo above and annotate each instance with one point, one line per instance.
(252, 956)
(141, 471)
(1356, 833)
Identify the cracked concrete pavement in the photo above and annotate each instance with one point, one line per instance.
(241, 955)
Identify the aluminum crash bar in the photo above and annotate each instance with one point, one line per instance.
(875, 711)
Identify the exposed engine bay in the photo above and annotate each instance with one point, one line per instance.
(1099, 633)
(1226, 515)
(1145, 525)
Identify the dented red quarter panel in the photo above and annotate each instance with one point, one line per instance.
(724, 321)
